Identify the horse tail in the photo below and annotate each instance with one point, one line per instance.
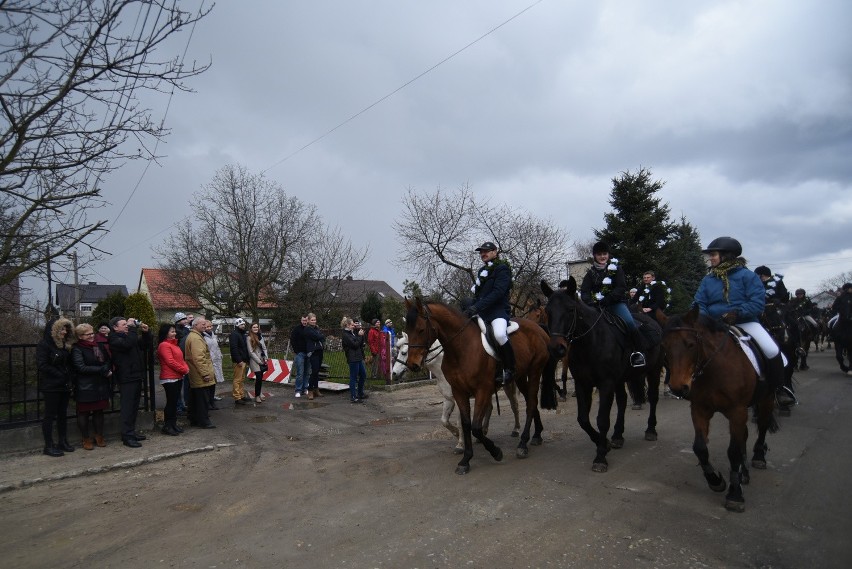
(548, 384)
(636, 387)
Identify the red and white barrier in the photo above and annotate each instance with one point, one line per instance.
(278, 372)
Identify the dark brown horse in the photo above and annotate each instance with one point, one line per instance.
(536, 313)
(470, 370)
(599, 360)
(710, 369)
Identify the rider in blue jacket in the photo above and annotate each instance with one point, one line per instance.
(734, 294)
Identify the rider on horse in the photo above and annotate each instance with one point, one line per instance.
(605, 286)
(734, 294)
(774, 284)
(802, 306)
(491, 302)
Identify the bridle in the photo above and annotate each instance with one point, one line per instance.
(433, 335)
(569, 335)
(701, 365)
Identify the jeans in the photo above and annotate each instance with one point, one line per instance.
(620, 309)
(357, 375)
(300, 362)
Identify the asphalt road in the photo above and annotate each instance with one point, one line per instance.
(330, 484)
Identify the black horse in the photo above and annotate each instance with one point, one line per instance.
(841, 333)
(779, 326)
(600, 354)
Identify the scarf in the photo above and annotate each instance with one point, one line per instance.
(96, 349)
(721, 271)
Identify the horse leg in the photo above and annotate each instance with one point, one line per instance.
(617, 440)
(738, 426)
(584, 408)
(511, 391)
(463, 403)
(765, 422)
(701, 424)
(481, 409)
(563, 393)
(653, 398)
(536, 416)
(446, 410)
(604, 408)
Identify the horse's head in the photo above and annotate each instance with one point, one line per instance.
(420, 332)
(688, 341)
(399, 364)
(561, 312)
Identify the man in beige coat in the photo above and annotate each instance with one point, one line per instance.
(201, 374)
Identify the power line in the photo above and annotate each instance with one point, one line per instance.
(403, 86)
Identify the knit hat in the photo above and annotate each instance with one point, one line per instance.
(239, 322)
(179, 317)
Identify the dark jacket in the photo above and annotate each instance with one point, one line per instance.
(297, 339)
(182, 332)
(776, 290)
(653, 296)
(353, 346)
(126, 352)
(91, 374)
(491, 290)
(239, 348)
(843, 306)
(314, 339)
(593, 284)
(53, 357)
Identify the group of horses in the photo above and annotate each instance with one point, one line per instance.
(706, 363)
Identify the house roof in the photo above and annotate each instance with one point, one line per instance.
(351, 290)
(156, 283)
(92, 292)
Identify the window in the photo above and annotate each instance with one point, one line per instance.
(85, 308)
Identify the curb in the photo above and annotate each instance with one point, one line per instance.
(101, 469)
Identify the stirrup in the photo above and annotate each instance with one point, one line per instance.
(637, 359)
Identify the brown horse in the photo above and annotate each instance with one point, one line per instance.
(537, 313)
(709, 368)
(470, 370)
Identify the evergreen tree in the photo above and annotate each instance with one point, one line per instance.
(138, 306)
(109, 307)
(371, 308)
(684, 265)
(638, 227)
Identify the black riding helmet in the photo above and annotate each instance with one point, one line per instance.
(847, 286)
(763, 270)
(725, 245)
(800, 291)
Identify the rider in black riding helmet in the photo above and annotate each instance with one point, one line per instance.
(776, 291)
(604, 285)
(803, 306)
(735, 295)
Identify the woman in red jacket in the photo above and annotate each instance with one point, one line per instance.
(172, 369)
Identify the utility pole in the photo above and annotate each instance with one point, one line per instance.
(76, 289)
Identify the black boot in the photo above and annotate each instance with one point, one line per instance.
(507, 354)
(637, 357)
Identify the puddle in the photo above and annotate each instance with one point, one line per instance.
(299, 406)
(263, 419)
(389, 421)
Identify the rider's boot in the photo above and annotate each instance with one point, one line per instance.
(507, 354)
(775, 380)
(637, 358)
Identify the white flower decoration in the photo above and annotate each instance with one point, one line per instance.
(599, 296)
(611, 267)
(641, 298)
(607, 281)
(483, 273)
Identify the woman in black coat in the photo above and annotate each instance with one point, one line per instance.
(53, 359)
(92, 374)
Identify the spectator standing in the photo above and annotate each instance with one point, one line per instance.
(216, 359)
(201, 375)
(301, 360)
(92, 376)
(374, 341)
(181, 321)
(126, 341)
(353, 346)
(173, 368)
(315, 341)
(257, 360)
(240, 358)
(53, 359)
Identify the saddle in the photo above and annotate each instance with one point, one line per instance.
(487, 335)
(653, 334)
(752, 351)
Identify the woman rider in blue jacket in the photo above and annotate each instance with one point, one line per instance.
(734, 294)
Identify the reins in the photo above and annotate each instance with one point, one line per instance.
(701, 365)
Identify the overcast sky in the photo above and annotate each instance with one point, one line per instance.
(742, 108)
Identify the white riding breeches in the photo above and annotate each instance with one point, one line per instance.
(809, 319)
(499, 326)
(762, 337)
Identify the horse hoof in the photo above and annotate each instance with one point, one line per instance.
(458, 450)
(600, 467)
(758, 464)
(536, 441)
(735, 506)
(522, 452)
(498, 455)
(462, 469)
(650, 436)
(516, 434)
(616, 443)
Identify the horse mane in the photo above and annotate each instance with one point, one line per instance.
(411, 313)
(703, 321)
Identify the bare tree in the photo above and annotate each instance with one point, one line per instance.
(440, 231)
(834, 283)
(71, 73)
(249, 241)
